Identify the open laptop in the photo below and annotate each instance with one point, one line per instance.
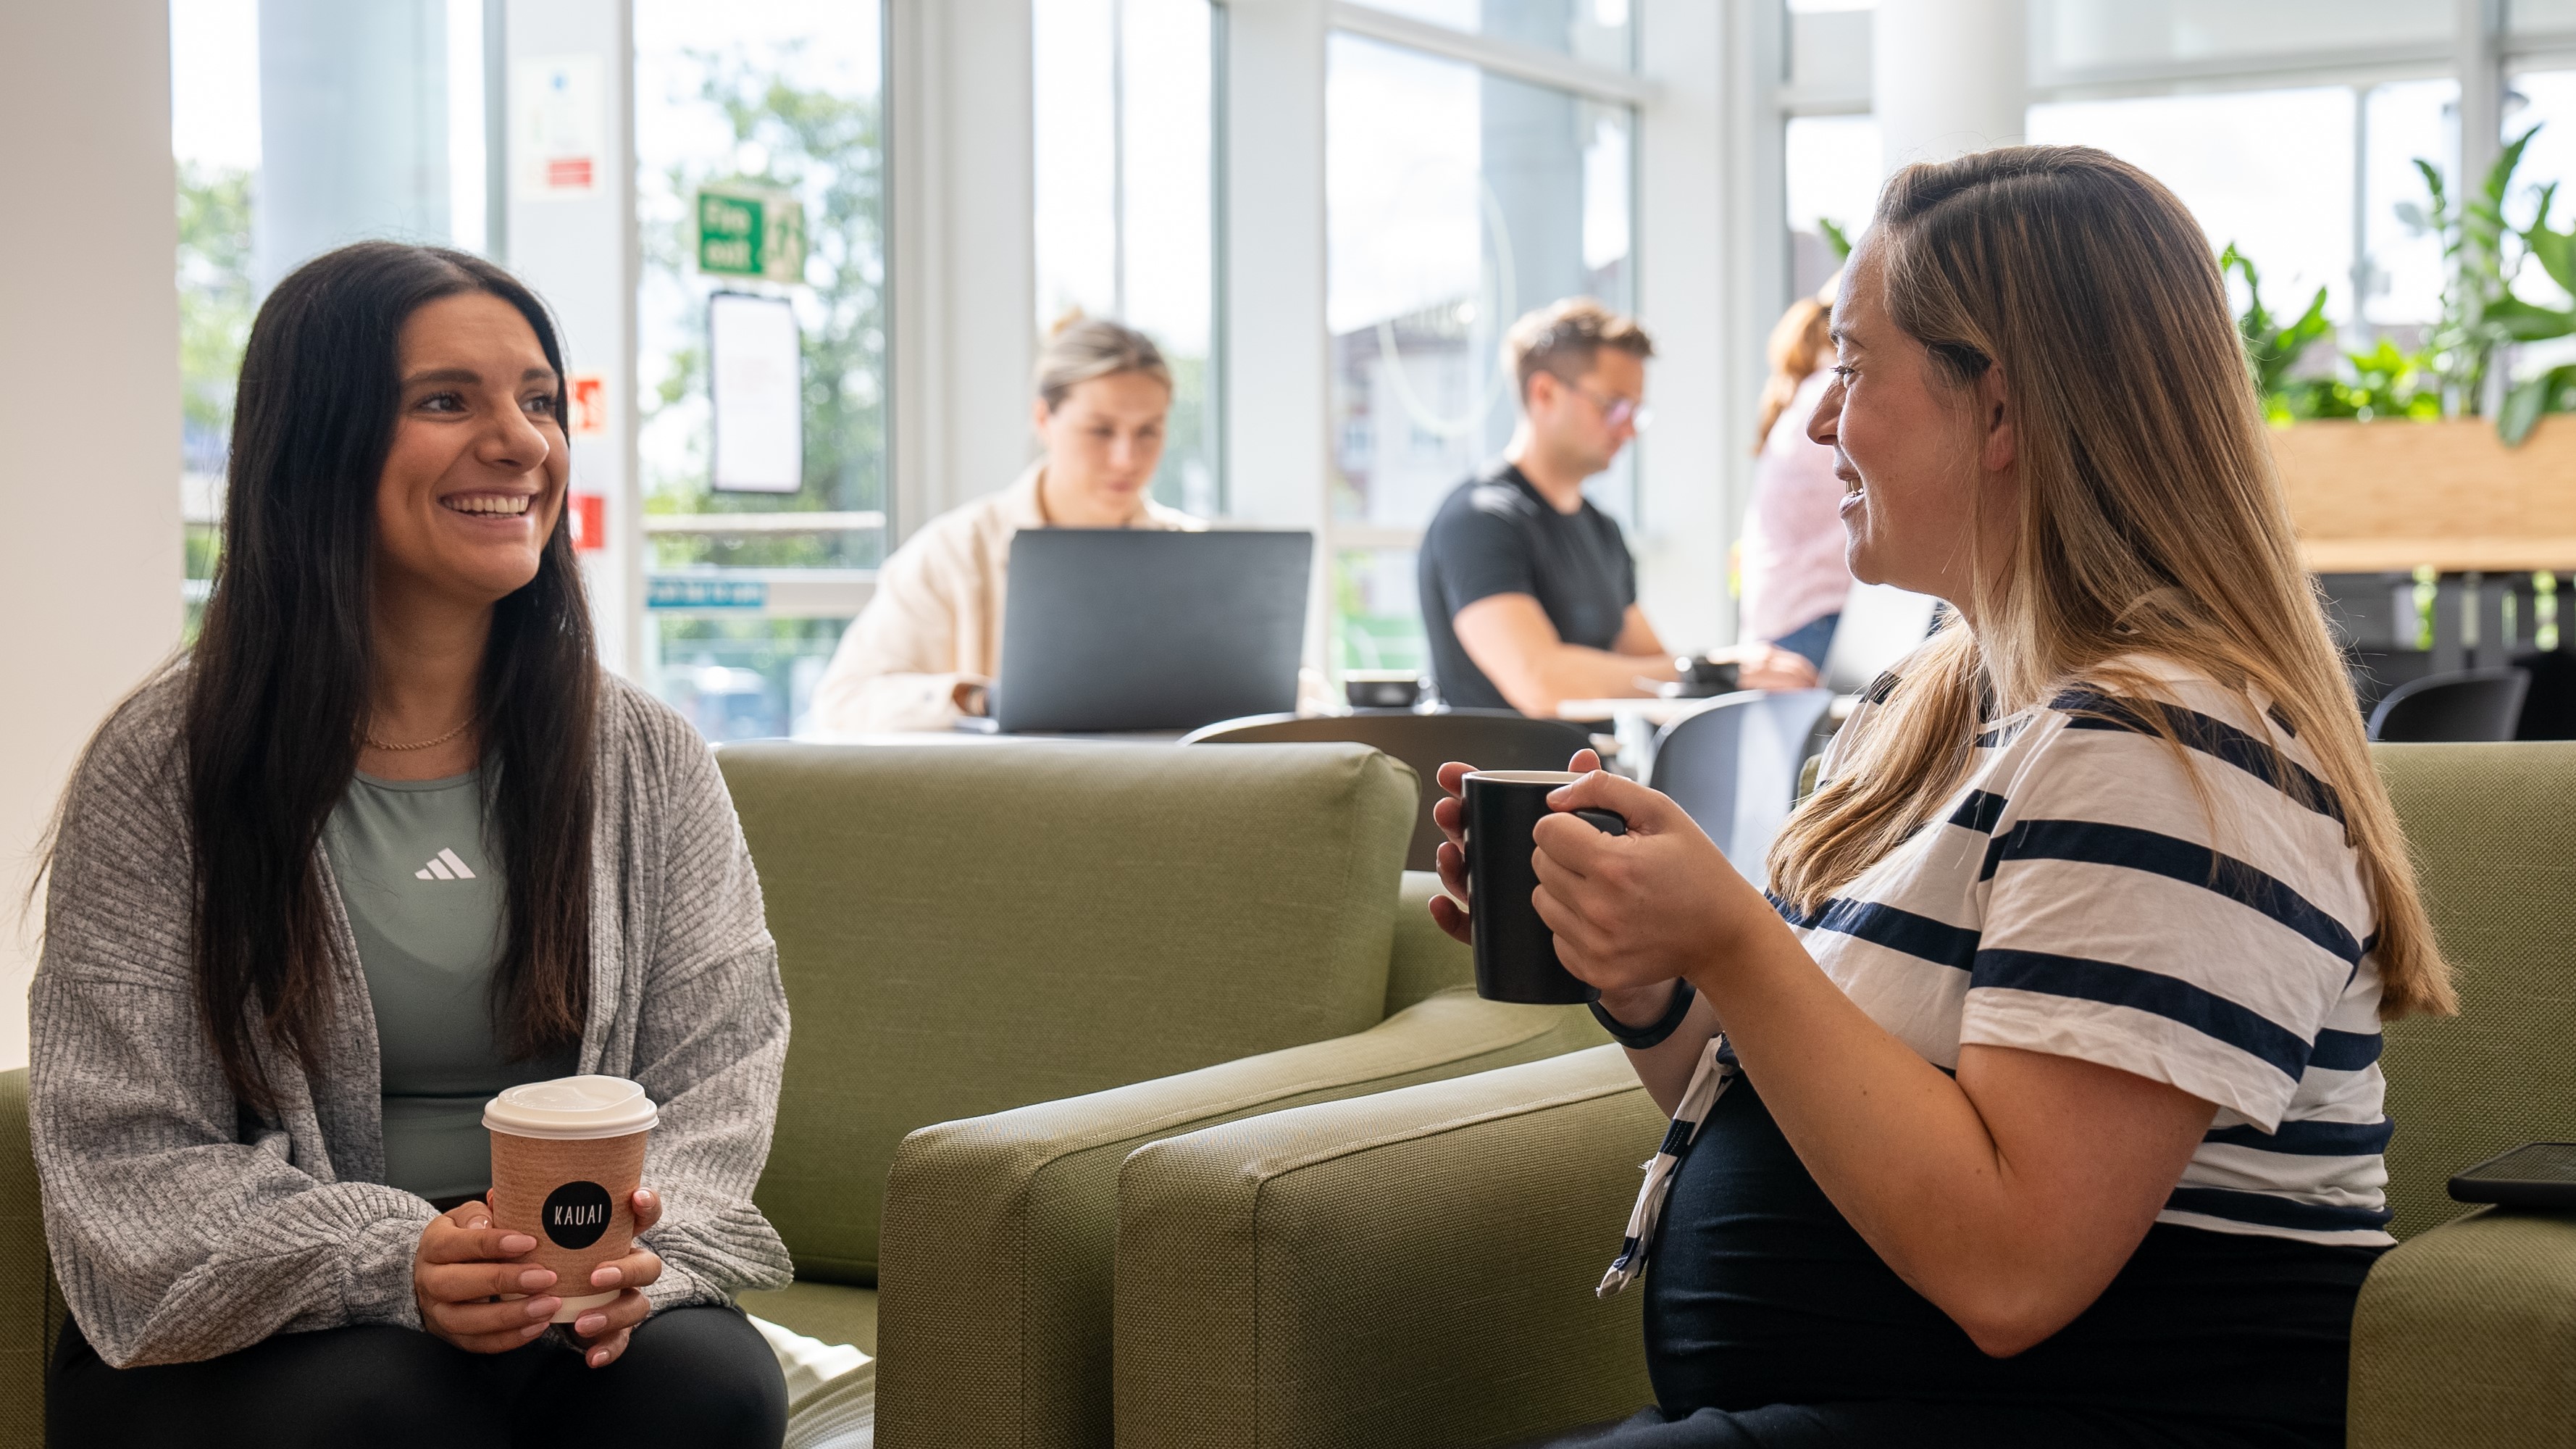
(1145, 629)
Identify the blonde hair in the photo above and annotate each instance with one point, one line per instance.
(1800, 342)
(1080, 348)
(2152, 522)
(1562, 339)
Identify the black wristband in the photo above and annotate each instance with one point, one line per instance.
(1644, 1038)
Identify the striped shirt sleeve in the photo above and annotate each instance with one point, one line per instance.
(2196, 937)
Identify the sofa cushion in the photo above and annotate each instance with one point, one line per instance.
(2493, 830)
(969, 927)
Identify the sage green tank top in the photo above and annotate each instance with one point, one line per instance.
(425, 900)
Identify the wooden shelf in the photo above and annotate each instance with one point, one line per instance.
(2368, 497)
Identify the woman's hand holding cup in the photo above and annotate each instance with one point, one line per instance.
(1450, 814)
(1632, 912)
(604, 1330)
(459, 1272)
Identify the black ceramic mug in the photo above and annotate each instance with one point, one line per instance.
(1515, 951)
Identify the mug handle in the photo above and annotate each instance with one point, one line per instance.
(1608, 822)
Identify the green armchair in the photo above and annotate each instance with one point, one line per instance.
(1010, 966)
(1416, 1267)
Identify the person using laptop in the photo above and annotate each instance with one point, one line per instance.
(927, 647)
(1529, 595)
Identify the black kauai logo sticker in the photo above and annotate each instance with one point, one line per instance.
(576, 1214)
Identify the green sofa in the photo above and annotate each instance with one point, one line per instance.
(1416, 1267)
(1011, 965)
(970, 935)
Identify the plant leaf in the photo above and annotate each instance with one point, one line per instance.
(2523, 322)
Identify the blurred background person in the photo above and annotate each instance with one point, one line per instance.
(928, 646)
(1795, 577)
(1529, 595)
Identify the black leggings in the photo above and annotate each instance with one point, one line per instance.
(692, 1376)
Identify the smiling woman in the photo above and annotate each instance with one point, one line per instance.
(340, 877)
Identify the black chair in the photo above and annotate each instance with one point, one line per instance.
(1489, 739)
(2469, 705)
(1733, 765)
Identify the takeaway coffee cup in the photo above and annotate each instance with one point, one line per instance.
(567, 1156)
(1515, 952)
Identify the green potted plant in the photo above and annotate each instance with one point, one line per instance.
(2437, 456)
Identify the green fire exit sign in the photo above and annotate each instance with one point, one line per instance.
(748, 231)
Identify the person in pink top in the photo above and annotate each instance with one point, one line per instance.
(1794, 575)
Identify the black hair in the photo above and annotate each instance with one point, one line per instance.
(279, 683)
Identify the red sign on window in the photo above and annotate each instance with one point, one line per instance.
(589, 522)
(589, 404)
(568, 173)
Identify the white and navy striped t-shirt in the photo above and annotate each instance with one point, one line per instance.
(2074, 899)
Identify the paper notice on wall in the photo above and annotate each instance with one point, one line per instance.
(755, 370)
(558, 127)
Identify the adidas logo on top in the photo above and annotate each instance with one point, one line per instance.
(444, 866)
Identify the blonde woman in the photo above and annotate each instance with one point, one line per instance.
(2046, 1108)
(929, 642)
(1794, 576)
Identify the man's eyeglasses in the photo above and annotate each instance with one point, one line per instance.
(1617, 410)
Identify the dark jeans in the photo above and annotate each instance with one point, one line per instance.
(692, 1376)
(1811, 639)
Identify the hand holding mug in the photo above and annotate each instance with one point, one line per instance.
(1450, 814)
(1632, 911)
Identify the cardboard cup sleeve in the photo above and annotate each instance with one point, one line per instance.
(576, 1198)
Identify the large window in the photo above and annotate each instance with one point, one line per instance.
(299, 126)
(1124, 214)
(1456, 199)
(1831, 179)
(776, 102)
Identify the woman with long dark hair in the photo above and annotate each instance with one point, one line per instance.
(386, 842)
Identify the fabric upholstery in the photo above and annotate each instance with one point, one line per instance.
(832, 1312)
(28, 1305)
(2493, 827)
(1426, 961)
(1000, 1231)
(968, 928)
(1414, 1267)
(2467, 1335)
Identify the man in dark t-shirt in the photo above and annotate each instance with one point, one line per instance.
(1497, 536)
(1529, 595)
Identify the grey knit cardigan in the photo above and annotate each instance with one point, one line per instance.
(183, 1226)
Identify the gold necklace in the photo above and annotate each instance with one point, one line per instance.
(376, 744)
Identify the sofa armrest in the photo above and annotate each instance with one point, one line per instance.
(1415, 1267)
(2467, 1335)
(993, 1321)
(29, 1308)
(1424, 961)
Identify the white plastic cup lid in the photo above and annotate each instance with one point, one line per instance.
(572, 1109)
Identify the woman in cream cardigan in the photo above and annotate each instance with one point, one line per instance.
(929, 643)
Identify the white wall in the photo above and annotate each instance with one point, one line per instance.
(89, 404)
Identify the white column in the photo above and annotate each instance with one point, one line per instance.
(1687, 465)
(2480, 48)
(961, 260)
(579, 251)
(1950, 76)
(1277, 355)
(89, 401)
